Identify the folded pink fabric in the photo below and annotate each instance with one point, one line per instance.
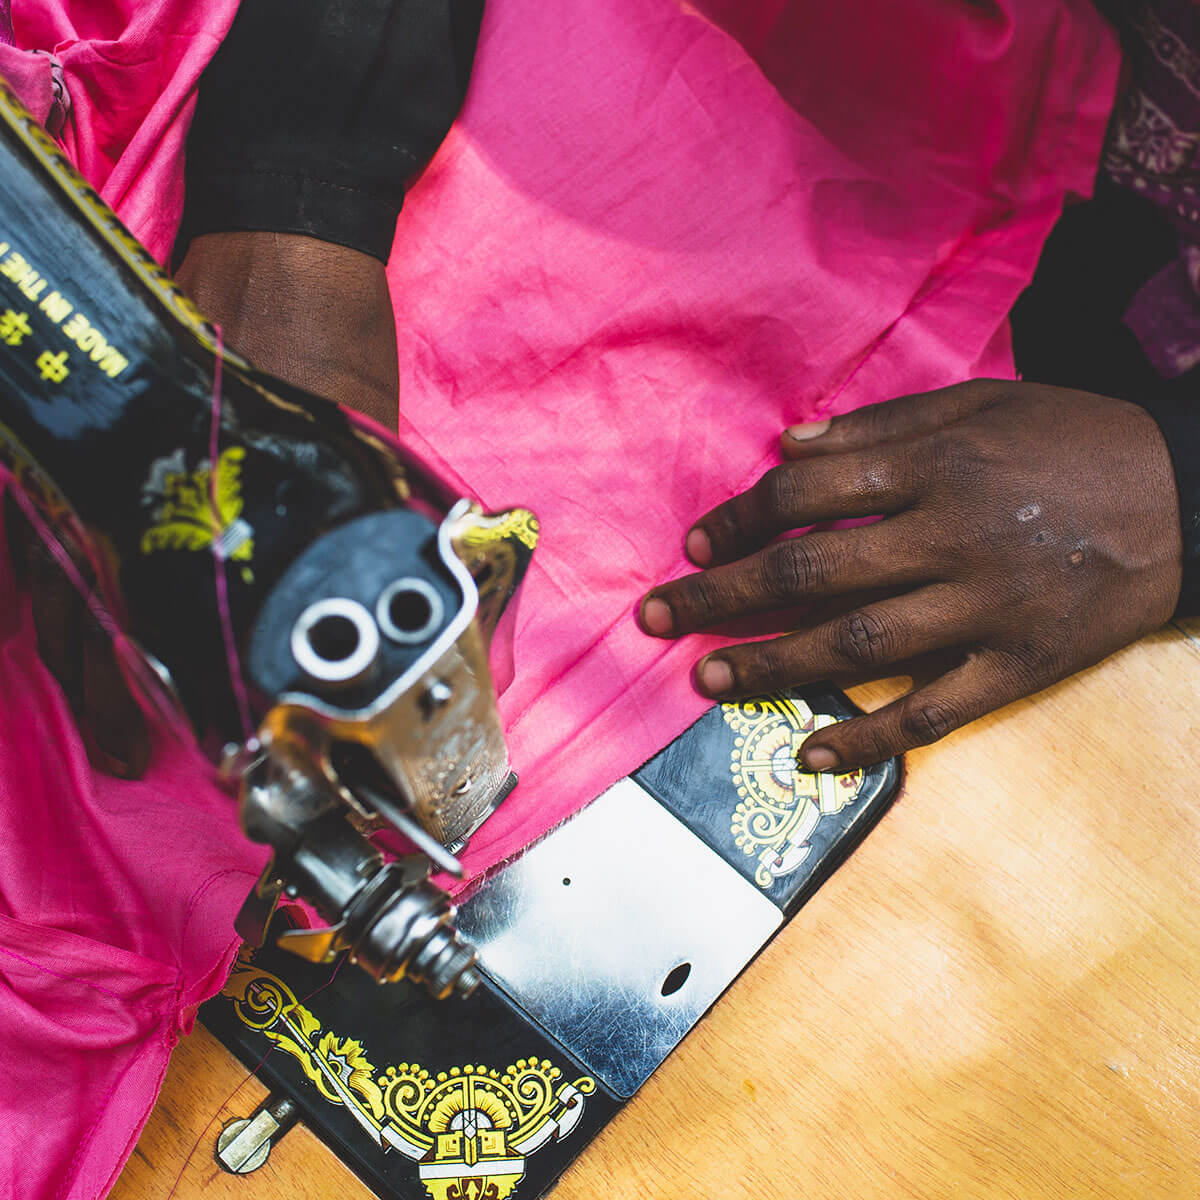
(661, 232)
(116, 899)
(115, 904)
(131, 70)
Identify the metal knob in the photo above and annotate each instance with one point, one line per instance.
(245, 1143)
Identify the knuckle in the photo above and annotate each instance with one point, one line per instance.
(927, 721)
(868, 741)
(751, 665)
(791, 569)
(958, 459)
(727, 526)
(876, 421)
(700, 599)
(886, 416)
(770, 666)
(863, 639)
(880, 476)
(1032, 660)
(777, 491)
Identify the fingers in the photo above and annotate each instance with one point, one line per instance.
(978, 686)
(892, 421)
(860, 642)
(792, 496)
(785, 574)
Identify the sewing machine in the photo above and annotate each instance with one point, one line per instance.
(301, 599)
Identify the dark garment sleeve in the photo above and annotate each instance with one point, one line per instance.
(314, 116)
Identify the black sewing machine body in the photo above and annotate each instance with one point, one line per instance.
(315, 609)
(303, 598)
(600, 948)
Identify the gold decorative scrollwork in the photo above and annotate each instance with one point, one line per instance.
(469, 1128)
(495, 548)
(779, 805)
(485, 529)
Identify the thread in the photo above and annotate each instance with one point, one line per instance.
(232, 662)
(249, 1075)
(149, 686)
(66, 564)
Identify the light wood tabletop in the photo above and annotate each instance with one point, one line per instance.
(997, 997)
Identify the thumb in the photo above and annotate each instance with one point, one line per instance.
(893, 420)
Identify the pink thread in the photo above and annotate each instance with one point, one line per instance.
(250, 1075)
(221, 1108)
(231, 655)
(60, 556)
(149, 689)
(66, 978)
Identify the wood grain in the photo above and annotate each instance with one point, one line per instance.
(205, 1088)
(995, 998)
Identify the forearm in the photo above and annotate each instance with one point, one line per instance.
(316, 314)
(310, 123)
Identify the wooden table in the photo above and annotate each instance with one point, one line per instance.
(998, 996)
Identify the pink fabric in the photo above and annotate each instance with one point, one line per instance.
(612, 298)
(646, 248)
(115, 898)
(131, 68)
(115, 903)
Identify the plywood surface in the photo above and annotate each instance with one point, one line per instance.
(997, 997)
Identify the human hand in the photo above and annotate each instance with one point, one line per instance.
(1028, 530)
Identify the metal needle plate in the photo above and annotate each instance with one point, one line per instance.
(617, 932)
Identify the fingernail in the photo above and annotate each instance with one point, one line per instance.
(806, 433)
(656, 616)
(699, 548)
(820, 758)
(715, 676)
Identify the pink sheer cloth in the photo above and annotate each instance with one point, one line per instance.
(116, 899)
(661, 232)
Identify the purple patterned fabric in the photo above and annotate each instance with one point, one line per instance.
(1153, 149)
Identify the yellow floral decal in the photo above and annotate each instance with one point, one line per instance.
(468, 1129)
(183, 516)
(780, 805)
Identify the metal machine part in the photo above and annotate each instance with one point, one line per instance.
(386, 715)
(408, 611)
(244, 1144)
(371, 645)
(335, 641)
(386, 915)
(312, 604)
(617, 932)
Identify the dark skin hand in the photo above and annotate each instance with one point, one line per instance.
(318, 316)
(1027, 532)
